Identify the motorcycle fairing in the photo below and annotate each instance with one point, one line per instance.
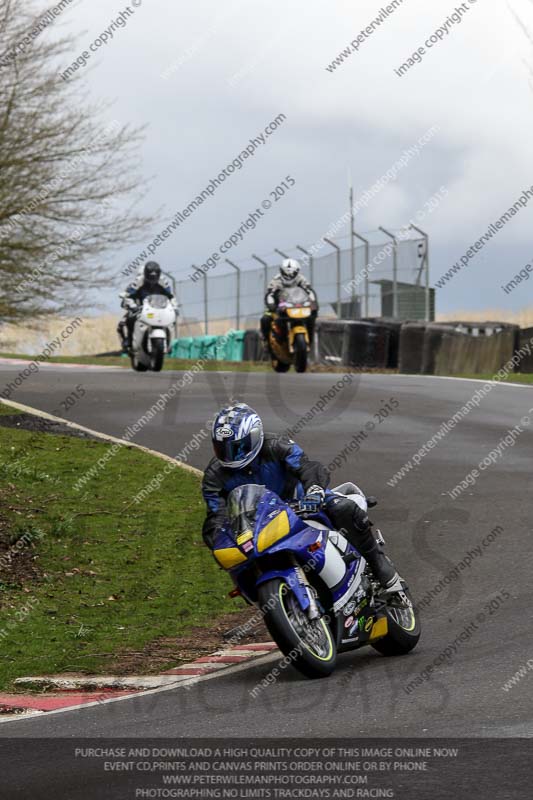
(293, 579)
(289, 534)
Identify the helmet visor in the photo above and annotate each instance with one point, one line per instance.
(232, 451)
(288, 277)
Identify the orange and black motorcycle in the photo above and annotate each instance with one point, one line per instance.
(291, 330)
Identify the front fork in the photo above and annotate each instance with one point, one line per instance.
(313, 612)
(293, 331)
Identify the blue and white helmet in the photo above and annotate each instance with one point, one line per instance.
(238, 435)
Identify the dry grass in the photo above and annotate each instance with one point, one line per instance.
(94, 335)
(523, 317)
(217, 327)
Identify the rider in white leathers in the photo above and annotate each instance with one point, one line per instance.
(289, 275)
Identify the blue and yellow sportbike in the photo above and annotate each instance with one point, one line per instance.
(316, 593)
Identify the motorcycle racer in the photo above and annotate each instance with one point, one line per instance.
(145, 284)
(289, 275)
(244, 454)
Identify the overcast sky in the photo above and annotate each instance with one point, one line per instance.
(231, 68)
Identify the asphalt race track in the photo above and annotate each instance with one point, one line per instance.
(428, 533)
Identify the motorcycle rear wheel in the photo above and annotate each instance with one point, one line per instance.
(309, 644)
(137, 365)
(300, 353)
(403, 631)
(280, 366)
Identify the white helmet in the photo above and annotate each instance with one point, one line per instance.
(289, 271)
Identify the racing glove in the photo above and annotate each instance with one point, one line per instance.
(314, 498)
(270, 302)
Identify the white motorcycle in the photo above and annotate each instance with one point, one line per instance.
(152, 333)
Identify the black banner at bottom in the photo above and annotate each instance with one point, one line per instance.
(153, 769)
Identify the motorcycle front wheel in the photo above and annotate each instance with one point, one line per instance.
(300, 353)
(158, 354)
(308, 644)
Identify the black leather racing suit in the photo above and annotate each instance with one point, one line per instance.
(283, 467)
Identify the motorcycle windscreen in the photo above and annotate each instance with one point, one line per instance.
(157, 300)
(242, 507)
(293, 294)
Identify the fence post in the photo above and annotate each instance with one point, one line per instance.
(238, 291)
(281, 253)
(311, 262)
(337, 248)
(265, 265)
(367, 265)
(175, 291)
(310, 259)
(206, 308)
(425, 261)
(394, 272)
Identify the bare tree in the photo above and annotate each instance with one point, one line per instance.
(69, 177)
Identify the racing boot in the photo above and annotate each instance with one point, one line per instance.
(383, 569)
(123, 339)
(347, 516)
(266, 322)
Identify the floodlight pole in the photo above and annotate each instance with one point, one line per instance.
(367, 257)
(394, 272)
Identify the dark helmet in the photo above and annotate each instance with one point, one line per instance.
(237, 435)
(152, 272)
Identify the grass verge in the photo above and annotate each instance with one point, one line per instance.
(209, 366)
(170, 363)
(86, 576)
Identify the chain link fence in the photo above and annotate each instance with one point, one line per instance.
(376, 274)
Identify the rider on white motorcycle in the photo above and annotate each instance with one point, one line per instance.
(149, 282)
(289, 275)
(244, 454)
